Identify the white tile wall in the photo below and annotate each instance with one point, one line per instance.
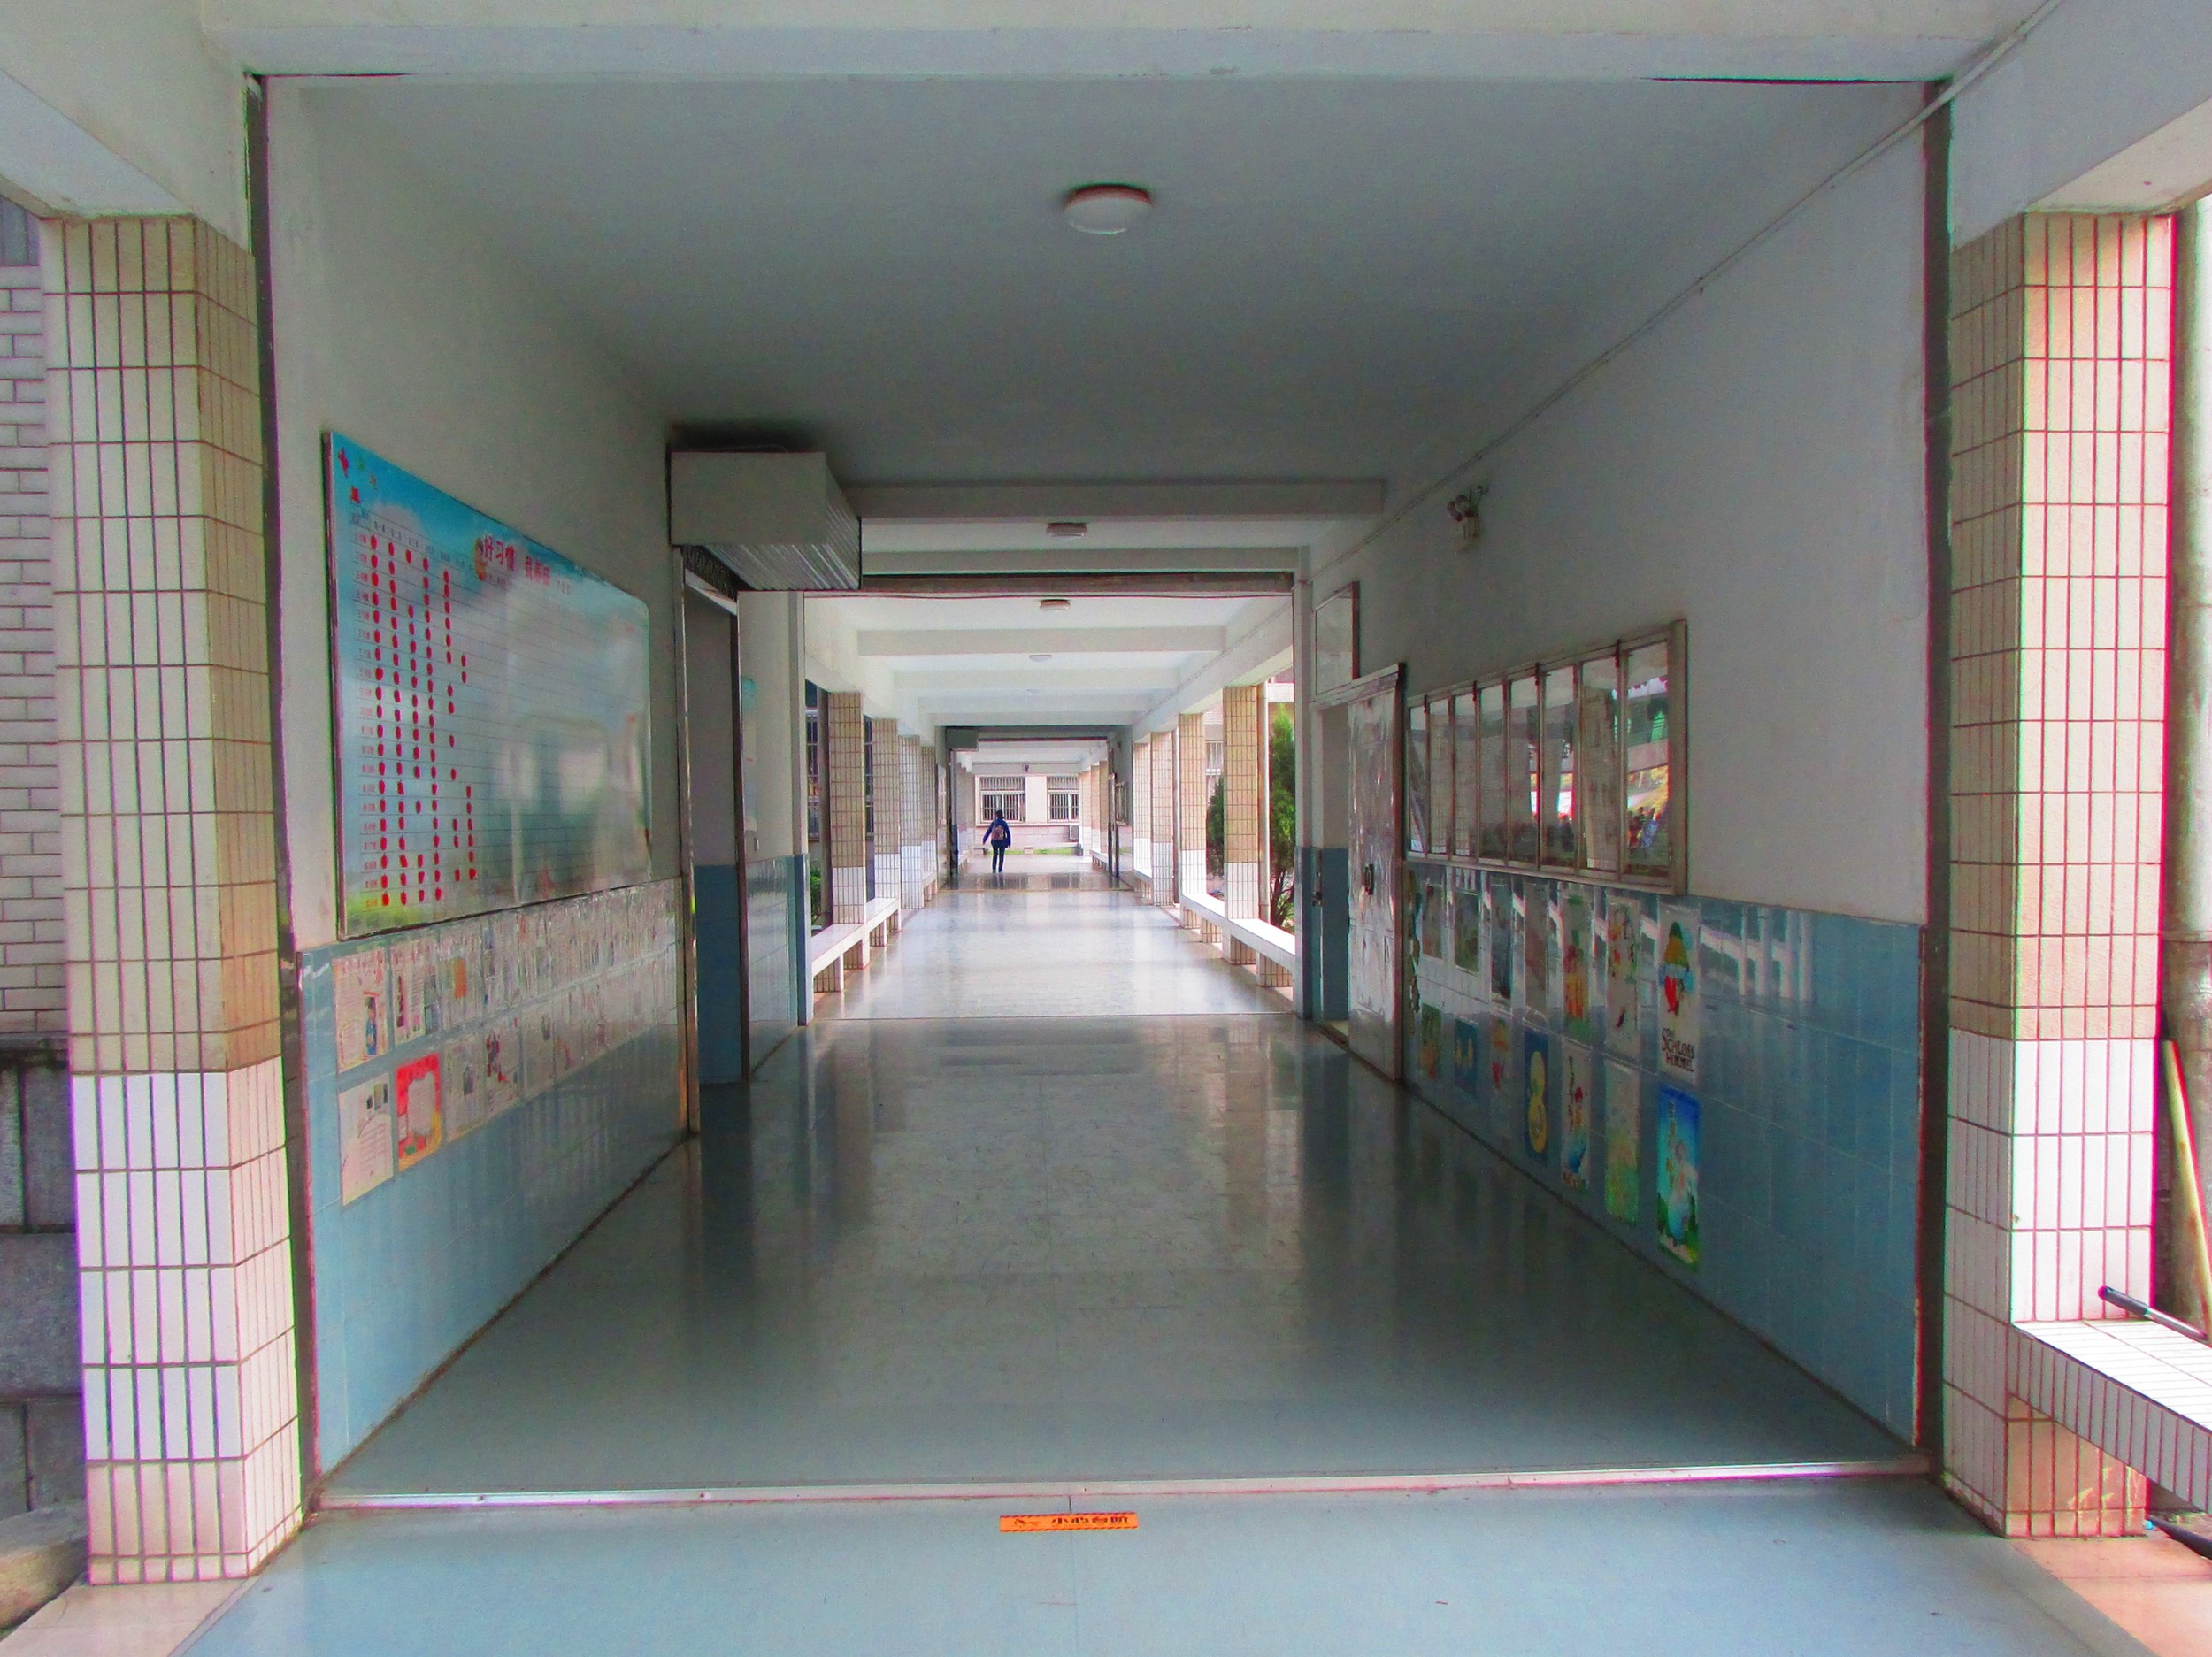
(191, 1419)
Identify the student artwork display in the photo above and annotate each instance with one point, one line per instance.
(367, 1143)
(1569, 767)
(1536, 952)
(491, 707)
(1416, 775)
(1467, 1056)
(450, 1005)
(363, 1017)
(1431, 1040)
(422, 1121)
(1434, 908)
(1623, 939)
(1501, 1091)
(1536, 1082)
(1574, 1126)
(1467, 930)
(1574, 965)
(1678, 990)
(1678, 1175)
(1623, 1139)
(1498, 899)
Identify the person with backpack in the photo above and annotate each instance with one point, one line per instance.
(998, 837)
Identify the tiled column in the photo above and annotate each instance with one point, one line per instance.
(1164, 852)
(1190, 804)
(2059, 361)
(890, 807)
(914, 880)
(1243, 790)
(32, 1002)
(1140, 807)
(191, 1403)
(845, 805)
(932, 829)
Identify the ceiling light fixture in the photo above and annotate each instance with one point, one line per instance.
(1106, 210)
(1067, 528)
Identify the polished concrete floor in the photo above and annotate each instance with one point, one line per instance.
(1876, 1568)
(1046, 938)
(1058, 1196)
(1078, 1243)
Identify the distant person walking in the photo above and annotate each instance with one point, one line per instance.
(998, 837)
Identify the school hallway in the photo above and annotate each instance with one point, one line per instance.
(950, 1257)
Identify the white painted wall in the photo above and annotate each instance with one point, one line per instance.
(1755, 465)
(2094, 78)
(398, 326)
(121, 107)
(767, 627)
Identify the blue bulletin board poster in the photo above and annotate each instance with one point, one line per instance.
(491, 709)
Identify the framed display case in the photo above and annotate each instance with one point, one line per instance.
(1575, 766)
(1336, 640)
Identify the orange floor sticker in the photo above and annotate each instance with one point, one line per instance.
(1068, 1522)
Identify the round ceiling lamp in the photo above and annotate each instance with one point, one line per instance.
(1107, 209)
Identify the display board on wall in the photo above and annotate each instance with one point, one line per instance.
(491, 703)
(1576, 767)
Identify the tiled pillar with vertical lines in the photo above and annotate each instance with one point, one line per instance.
(914, 876)
(1190, 806)
(2060, 375)
(168, 877)
(890, 803)
(845, 784)
(1140, 807)
(1165, 844)
(1243, 788)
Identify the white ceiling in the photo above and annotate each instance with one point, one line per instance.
(1340, 275)
(972, 661)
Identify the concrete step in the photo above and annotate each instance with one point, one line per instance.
(40, 1553)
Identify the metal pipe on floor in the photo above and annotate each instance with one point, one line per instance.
(2185, 904)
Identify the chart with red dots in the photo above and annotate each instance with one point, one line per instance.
(491, 701)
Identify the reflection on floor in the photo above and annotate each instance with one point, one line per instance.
(1104, 1247)
(1867, 1570)
(1047, 938)
(941, 1242)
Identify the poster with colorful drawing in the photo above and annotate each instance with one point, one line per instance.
(1623, 942)
(1677, 990)
(1467, 1056)
(365, 1143)
(1433, 902)
(414, 991)
(1536, 947)
(421, 1118)
(1623, 1139)
(1574, 965)
(464, 1105)
(1432, 1041)
(1498, 899)
(1536, 1080)
(1574, 1108)
(1502, 1093)
(1678, 1174)
(365, 1024)
(502, 1046)
(1467, 931)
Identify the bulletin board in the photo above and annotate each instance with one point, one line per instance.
(491, 701)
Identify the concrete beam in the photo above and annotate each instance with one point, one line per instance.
(1033, 641)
